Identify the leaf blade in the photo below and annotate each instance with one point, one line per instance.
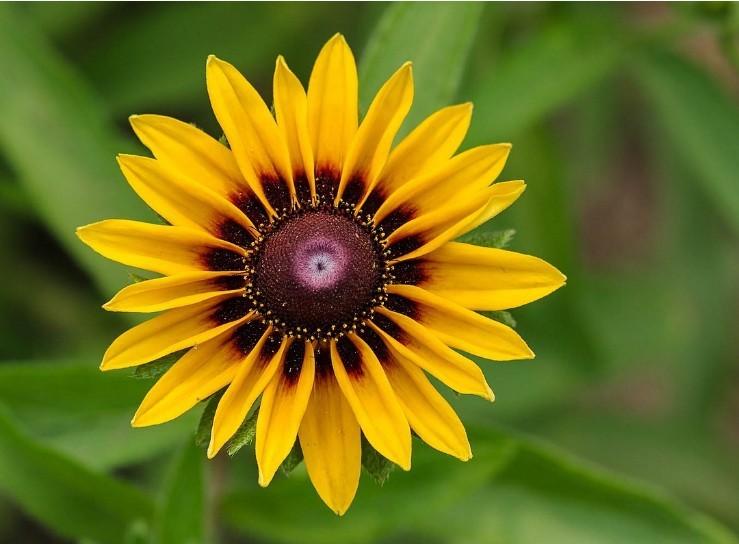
(436, 37)
(180, 515)
(65, 496)
(701, 121)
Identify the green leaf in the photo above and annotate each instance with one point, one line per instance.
(157, 368)
(501, 316)
(701, 121)
(138, 533)
(513, 491)
(436, 37)
(544, 73)
(60, 143)
(500, 239)
(135, 72)
(136, 278)
(293, 459)
(245, 435)
(68, 498)
(544, 495)
(435, 483)
(651, 448)
(376, 465)
(180, 515)
(84, 413)
(202, 436)
(68, 21)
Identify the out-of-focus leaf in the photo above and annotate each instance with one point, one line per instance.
(546, 72)
(180, 514)
(512, 491)
(66, 497)
(84, 412)
(702, 122)
(66, 20)
(134, 70)
(59, 142)
(436, 37)
(138, 532)
(543, 495)
(14, 200)
(282, 512)
(682, 457)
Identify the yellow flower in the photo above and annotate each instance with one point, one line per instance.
(312, 265)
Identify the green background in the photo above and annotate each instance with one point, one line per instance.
(625, 126)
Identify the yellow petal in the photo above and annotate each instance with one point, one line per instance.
(175, 330)
(481, 278)
(432, 230)
(428, 147)
(467, 173)
(252, 133)
(291, 110)
(371, 145)
(161, 248)
(283, 404)
(408, 339)
(368, 392)
(330, 439)
(461, 328)
(254, 373)
(202, 371)
(332, 110)
(185, 203)
(500, 196)
(175, 291)
(190, 151)
(435, 227)
(429, 415)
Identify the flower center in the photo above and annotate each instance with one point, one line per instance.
(317, 272)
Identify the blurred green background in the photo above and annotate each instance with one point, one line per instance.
(624, 121)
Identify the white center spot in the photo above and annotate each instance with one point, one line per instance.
(320, 263)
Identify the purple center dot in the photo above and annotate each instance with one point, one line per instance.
(321, 263)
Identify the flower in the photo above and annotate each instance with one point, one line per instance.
(309, 263)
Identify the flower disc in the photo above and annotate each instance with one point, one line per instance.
(317, 272)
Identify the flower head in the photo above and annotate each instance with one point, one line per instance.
(311, 265)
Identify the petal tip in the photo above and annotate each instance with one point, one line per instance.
(212, 452)
(261, 479)
(137, 422)
(489, 395)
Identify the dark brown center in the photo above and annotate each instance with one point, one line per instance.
(318, 272)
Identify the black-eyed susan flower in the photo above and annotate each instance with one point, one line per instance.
(311, 265)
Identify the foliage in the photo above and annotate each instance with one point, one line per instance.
(624, 123)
